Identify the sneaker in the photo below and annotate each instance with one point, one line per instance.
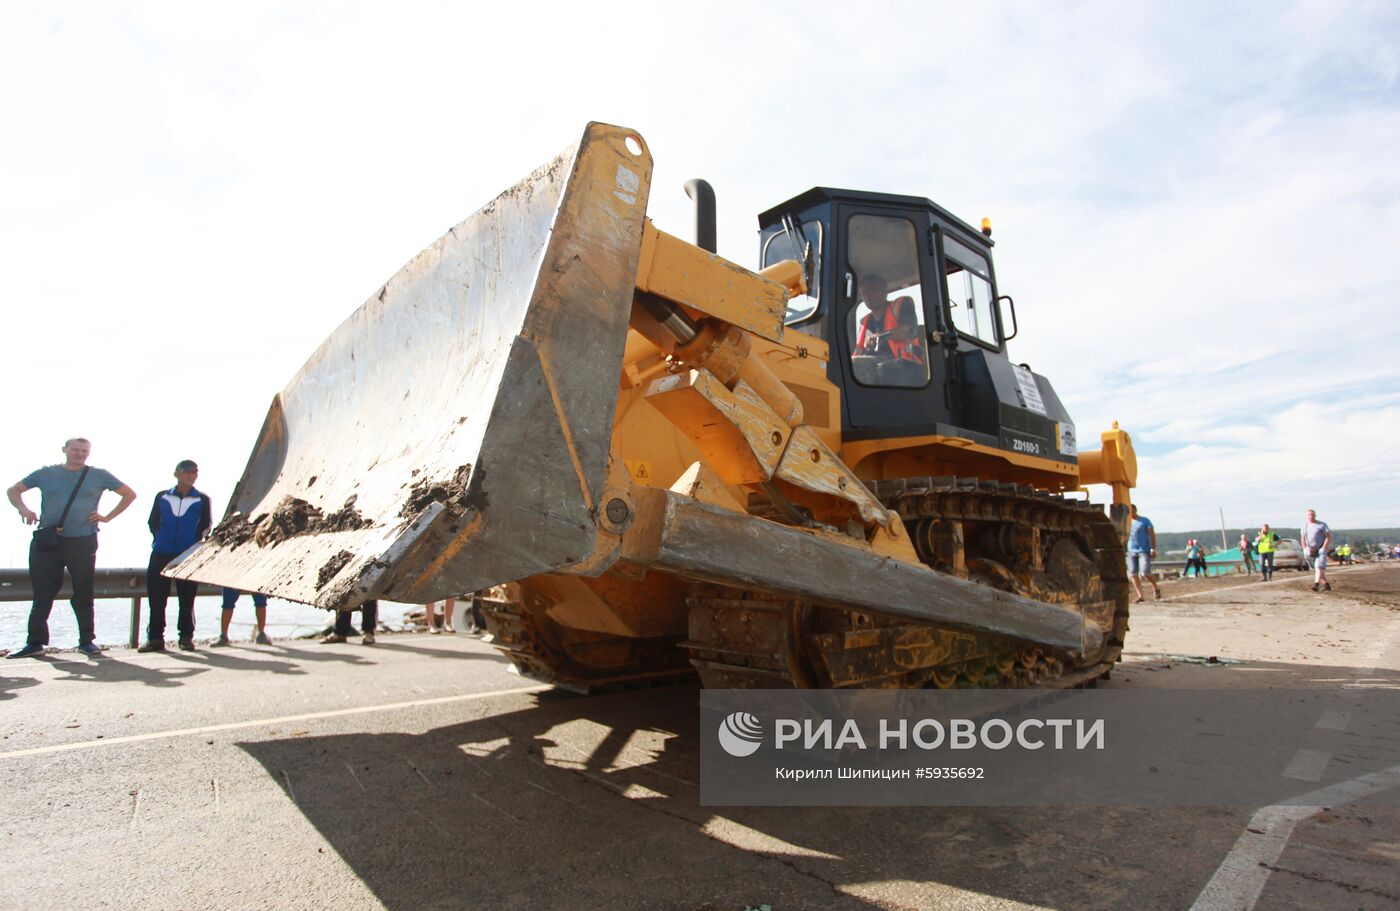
(152, 647)
(28, 651)
(1327, 586)
(332, 638)
(448, 628)
(186, 645)
(1159, 594)
(1139, 600)
(262, 638)
(1316, 586)
(90, 648)
(219, 642)
(435, 630)
(368, 639)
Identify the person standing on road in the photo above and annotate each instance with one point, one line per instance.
(179, 518)
(1265, 543)
(449, 607)
(1195, 559)
(66, 538)
(1142, 547)
(1247, 555)
(1317, 537)
(259, 612)
(345, 628)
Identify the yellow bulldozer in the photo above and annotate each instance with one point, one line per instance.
(827, 473)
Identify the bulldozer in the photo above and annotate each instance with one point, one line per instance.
(654, 463)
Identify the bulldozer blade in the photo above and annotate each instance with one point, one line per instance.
(677, 534)
(453, 433)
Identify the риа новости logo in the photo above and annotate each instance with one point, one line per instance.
(741, 734)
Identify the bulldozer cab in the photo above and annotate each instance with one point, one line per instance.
(904, 293)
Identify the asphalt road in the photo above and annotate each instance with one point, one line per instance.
(420, 774)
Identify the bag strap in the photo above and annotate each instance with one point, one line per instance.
(71, 497)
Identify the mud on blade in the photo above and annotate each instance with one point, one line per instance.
(418, 453)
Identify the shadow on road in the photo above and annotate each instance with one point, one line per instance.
(114, 670)
(492, 656)
(593, 802)
(9, 684)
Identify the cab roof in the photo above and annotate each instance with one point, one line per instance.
(819, 195)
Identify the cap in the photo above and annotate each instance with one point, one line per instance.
(187, 465)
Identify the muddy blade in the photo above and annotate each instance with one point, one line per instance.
(453, 433)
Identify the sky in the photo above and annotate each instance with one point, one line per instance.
(1196, 206)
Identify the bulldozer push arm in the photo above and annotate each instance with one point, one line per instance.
(460, 429)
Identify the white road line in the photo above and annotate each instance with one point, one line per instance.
(1240, 878)
(260, 722)
(1238, 882)
(1334, 720)
(1307, 765)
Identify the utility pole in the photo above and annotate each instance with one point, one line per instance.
(1223, 544)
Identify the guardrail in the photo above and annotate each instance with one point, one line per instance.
(106, 584)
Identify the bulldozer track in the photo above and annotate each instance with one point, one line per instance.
(1009, 536)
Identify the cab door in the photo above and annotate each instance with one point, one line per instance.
(885, 323)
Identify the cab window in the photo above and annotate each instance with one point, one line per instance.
(885, 317)
(777, 247)
(968, 279)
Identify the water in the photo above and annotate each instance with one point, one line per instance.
(285, 620)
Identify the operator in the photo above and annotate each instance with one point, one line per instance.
(895, 323)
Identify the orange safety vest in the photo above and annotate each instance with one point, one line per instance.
(904, 349)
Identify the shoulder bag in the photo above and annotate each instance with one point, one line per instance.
(48, 539)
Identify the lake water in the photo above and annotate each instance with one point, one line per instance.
(285, 620)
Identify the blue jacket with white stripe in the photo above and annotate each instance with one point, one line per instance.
(178, 521)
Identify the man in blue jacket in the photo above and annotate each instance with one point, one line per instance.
(179, 518)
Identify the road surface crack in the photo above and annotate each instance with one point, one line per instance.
(1319, 878)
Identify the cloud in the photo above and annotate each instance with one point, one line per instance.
(1195, 213)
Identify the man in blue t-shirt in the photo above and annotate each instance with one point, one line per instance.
(1317, 537)
(1142, 547)
(76, 548)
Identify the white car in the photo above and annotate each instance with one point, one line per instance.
(1288, 554)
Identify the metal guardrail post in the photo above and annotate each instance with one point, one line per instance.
(135, 621)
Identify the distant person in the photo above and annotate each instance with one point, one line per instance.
(1195, 558)
(1266, 543)
(345, 628)
(179, 518)
(1142, 547)
(449, 607)
(1247, 554)
(259, 612)
(1317, 537)
(66, 538)
(474, 614)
